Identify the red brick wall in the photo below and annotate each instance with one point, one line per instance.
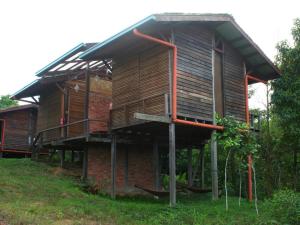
(140, 167)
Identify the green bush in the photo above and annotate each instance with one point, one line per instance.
(284, 207)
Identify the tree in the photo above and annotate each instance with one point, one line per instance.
(286, 95)
(5, 102)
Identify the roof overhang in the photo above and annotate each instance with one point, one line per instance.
(18, 108)
(257, 62)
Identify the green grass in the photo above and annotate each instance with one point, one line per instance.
(31, 194)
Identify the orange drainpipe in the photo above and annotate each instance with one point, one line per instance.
(174, 81)
(247, 78)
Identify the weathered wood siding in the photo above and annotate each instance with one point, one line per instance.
(194, 72)
(49, 113)
(19, 129)
(234, 90)
(76, 107)
(100, 98)
(139, 85)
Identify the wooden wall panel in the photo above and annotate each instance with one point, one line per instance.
(194, 69)
(100, 98)
(234, 96)
(76, 107)
(49, 112)
(19, 129)
(139, 84)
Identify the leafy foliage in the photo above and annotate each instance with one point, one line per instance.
(286, 96)
(6, 102)
(284, 207)
(238, 138)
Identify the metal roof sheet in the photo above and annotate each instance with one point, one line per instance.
(225, 25)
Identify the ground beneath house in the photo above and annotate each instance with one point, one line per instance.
(36, 193)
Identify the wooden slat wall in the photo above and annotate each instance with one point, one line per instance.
(76, 107)
(49, 112)
(139, 85)
(17, 134)
(100, 98)
(234, 84)
(194, 69)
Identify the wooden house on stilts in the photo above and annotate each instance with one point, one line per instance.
(170, 74)
(150, 90)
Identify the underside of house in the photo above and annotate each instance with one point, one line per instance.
(153, 89)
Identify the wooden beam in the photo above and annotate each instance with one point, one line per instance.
(202, 167)
(172, 164)
(126, 166)
(85, 164)
(86, 100)
(190, 166)
(214, 167)
(156, 162)
(142, 116)
(35, 100)
(113, 165)
(62, 158)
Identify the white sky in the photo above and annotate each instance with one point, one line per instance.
(35, 32)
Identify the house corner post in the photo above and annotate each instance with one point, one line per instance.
(113, 165)
(85, 164)
(172, 164)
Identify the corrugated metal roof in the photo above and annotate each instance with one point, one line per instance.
(224, 24)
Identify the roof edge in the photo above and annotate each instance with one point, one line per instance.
(64, 56)
(85, 55)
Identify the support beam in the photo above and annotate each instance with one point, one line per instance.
(86, 100)
(62, 158)
(214, 168)
(147, 117)
(172, 164)
(85, 164)
(126, 166)
(202, 168)
(72, 156)
(156, 165)
(190, 166)
(113, 165)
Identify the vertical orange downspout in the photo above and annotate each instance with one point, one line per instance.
(174, 81)
(247, 78)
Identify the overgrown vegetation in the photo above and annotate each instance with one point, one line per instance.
(6, 102)
(31, 193)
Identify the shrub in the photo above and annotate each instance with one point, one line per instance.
(284, 207)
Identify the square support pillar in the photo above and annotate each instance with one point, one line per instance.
(156, 164)
(62, 158)
(214, 168)
(172, 164)
(113, 165)
(85, 164)
(190, 166)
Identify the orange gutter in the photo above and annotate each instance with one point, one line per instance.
(174, 82)
(247, 78)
